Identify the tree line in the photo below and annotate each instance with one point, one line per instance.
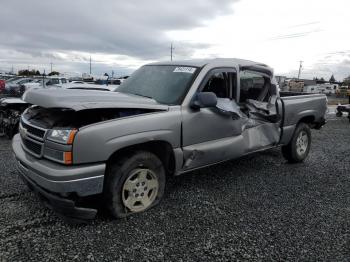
(33, 72)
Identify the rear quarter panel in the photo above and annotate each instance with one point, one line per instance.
(297, 107)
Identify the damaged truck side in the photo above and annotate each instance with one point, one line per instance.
(166, 119)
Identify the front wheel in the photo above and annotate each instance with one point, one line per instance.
(299, 146)
(134, 184)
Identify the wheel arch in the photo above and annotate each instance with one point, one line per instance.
(162, 149)
(288, 131)
(308, 119)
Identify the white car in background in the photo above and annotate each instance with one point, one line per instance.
(47, 82)
(59, 82)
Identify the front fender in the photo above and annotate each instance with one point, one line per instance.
(98, 142)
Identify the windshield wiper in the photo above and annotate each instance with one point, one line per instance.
(144, 96)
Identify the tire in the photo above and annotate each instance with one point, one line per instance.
(134, 184)
(299, 147)
(339, 114)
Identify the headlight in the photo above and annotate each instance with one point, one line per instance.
(62, 136)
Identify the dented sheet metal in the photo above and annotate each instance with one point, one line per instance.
(269, 108)
(251, 139)
(255, 133)
(230, 106)
(213, 151)
(80, 100)
(261, 136)
(257, 113)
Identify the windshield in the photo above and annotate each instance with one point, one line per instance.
(13, 79)
(165, 84)
(53, 81)
(17, 81)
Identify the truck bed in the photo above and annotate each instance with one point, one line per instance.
(297, 106)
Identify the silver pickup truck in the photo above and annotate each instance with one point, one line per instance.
(166, 119)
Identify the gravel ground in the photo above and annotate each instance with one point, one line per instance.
(255, 208)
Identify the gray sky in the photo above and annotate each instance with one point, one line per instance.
(122, 35)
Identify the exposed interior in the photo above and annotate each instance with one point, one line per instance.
(68, 118)
(257, 100)
(256, 112)
(9, 117)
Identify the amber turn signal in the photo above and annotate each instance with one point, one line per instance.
(68, 158)
(71, 137)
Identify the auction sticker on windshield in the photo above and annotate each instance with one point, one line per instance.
(189, 70)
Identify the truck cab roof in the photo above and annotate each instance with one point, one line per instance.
(214, 62)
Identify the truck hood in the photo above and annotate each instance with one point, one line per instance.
(78, 100)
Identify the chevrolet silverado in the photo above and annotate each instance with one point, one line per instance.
(167, 119)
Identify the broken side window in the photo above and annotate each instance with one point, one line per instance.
(219, 84)
(223, 85)
(252, 85)
(257, 97)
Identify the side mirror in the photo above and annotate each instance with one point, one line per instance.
(204, 100)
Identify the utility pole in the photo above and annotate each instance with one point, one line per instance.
(300, 67)
(51, 66)
(171, 52)
(44, 79)
(90, 65)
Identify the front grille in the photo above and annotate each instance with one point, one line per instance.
(33, 147)
(40, 133)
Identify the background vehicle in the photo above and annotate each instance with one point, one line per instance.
(343, 91)
(2, 85)
(10, 112)
(343, 108)
(11, 109)
(166, 119)
(17, 87)
(36, 83)
(47, 82)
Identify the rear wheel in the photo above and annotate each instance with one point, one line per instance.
(134, 184)
(299, 146)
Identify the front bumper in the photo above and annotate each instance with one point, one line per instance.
(83, 180)
(66, 208)
(55, 183)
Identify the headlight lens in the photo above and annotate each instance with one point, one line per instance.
(62, 136)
